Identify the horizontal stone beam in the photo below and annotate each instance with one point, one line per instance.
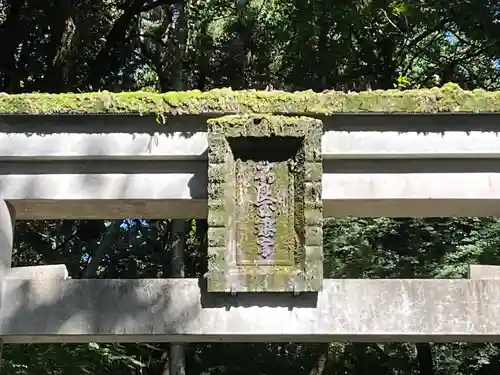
(55, 272)
(175, 310)
(193, 146)
(481, 272)
(183, 195)
(428, 165)
(135, 137)
(408, 145)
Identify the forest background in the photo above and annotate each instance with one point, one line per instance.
(117, 45)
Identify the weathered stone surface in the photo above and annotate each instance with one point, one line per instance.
(53, 271)
(41, 192)
(184, 195)
(7, 218)
(40, 189)
(265, 207)
(373, 141)
(449, 98)
(482, 272)
(176, 310)
(7, 222)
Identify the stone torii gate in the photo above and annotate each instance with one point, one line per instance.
(264, 168)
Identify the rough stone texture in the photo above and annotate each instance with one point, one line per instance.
(7, 218)
(103, 147)
(449, 98)
(482, 272)
(72, 192)
(175, 310)
(410, 144)
(184, 196)
(107, 189)
(176, 146)
(234, 261)
(39, 189)
(55, 272)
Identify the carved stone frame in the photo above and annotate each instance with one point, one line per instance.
(305, 274)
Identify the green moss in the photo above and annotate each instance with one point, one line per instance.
(245, 227)
(247, 247)
(449, 98)
(286, 238)
(234, 258)
(263, 125)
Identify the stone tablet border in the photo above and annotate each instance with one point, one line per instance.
(224, 275)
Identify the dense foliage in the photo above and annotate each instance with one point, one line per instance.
(116, 45)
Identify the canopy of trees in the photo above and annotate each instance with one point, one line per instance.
(117, 45)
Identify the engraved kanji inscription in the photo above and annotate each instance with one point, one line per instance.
(266, 211)
(265, 208)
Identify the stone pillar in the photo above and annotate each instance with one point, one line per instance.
(177, 356)
(7, 219)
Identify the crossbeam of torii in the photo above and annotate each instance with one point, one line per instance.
(115, 166)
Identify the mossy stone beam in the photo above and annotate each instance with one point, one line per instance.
(449, 98)
(251, 249)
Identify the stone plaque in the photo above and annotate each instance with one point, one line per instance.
(265, 208)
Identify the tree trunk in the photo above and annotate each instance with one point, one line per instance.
(175, 240)
(424, 357)
(180, 41)
(320, 364)
(61, 46)
(99, 67)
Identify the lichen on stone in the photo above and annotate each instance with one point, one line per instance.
(449, 98)
(234, 260)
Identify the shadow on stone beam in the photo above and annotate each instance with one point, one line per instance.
(256, 299)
